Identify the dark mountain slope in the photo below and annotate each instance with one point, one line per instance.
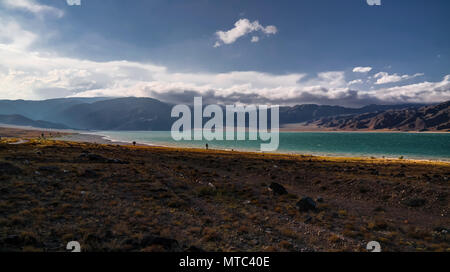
(20, 120)
(48, 110)
(150, 114)
(431, 118)
(120, 114)
(309, 112)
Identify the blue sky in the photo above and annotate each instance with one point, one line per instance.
(285, 52)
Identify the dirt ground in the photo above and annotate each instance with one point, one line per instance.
(125, 198)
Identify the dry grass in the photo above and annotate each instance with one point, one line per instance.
(215, 200)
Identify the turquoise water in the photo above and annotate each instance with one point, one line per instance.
(390, 145)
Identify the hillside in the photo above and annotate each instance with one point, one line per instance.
(120, 114)
(20, 120)
(427, 118)
(309, 112)
(144, 114)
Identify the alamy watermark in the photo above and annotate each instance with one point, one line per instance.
(214, 129)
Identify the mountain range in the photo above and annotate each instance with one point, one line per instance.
(142, 114)
(427, 118)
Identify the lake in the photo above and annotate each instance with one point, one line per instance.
(366, 144)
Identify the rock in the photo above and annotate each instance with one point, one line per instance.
(166, 243)
(415, 202)
(278, 189)
(306, 204)
(48, 169)
(132, 242)
(308, 219)
(93, 239)
(194, 249)
(440, 229)
(100, 159)
(7, 168)
(90, 174)
(12, 240)
(118, 161)
(95, 157)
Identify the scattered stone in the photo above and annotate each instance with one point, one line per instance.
(12, 240)
(306, 204)
(7, 168)
(48, 169)
(95, 157)
(415, 202)
(194, 249)
(363, 189)
(278, 189)
(133, 242)
(440, 229)
(118, 161)
(93, 239)
(308, 219)
(166, 243)
(100, 159)
(88, 173)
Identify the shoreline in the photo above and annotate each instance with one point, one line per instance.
(98, 138)
(103, 139)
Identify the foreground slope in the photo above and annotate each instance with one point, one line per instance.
(111, 197)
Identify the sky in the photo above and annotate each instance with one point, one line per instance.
(334, 52)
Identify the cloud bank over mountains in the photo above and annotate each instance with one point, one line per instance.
(27, 72)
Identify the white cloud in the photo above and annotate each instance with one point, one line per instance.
(74, 2)
(255, 39)
(12, 36)
(33, 7)
(356, 81)
(423, 92)
(373, 2)
(362, 69)
(384, 78)
(242, 28)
